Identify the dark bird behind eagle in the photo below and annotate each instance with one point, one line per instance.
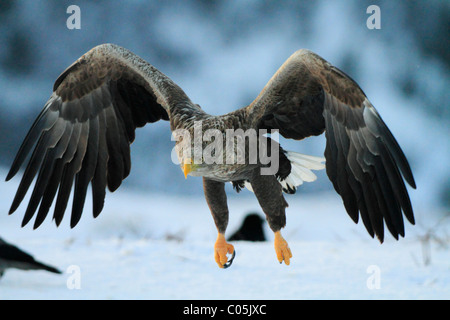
(83, 136)
(252, 229)
(11, 257)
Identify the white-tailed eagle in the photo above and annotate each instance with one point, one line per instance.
(83, 136)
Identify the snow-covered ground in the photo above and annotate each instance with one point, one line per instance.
(153, 246)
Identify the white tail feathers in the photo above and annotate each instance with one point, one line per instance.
(302, 165)
(248, 185)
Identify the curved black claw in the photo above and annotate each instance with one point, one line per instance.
(229, 262)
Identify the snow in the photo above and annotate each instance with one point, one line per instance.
(159, 246)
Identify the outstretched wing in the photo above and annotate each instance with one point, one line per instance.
(84, 132)
(308, 96)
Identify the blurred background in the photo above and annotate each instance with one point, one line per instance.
(222, 53)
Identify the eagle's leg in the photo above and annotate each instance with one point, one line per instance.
(268, 191)
(217, 201)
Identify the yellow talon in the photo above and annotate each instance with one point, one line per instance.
(221, 248)
(282, 249)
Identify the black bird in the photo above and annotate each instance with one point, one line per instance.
(13, 257)
(251, 229)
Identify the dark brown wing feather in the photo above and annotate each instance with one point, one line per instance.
(84, 132)
(308, 96)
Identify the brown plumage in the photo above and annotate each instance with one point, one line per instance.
(84, 132)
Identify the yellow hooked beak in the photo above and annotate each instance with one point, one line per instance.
(187, 167)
